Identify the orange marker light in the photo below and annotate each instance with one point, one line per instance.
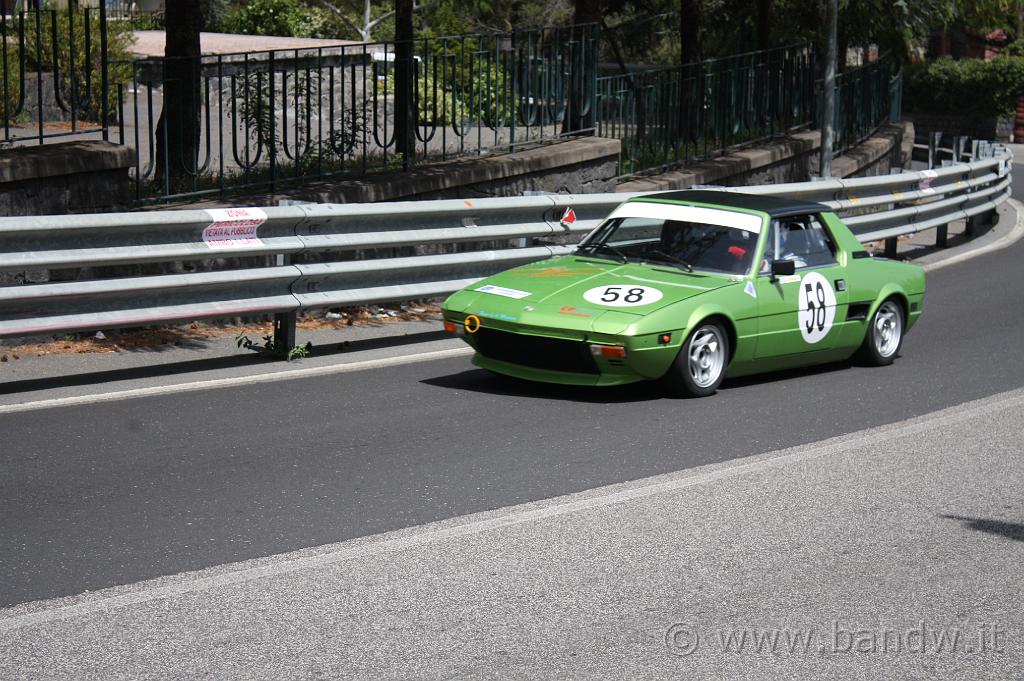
(608, 351)
(450, 327)
(664, 339)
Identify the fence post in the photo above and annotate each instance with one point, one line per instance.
(104, 74)
(933, 148)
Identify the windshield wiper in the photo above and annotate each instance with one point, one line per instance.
(603, 247)
(671, 258)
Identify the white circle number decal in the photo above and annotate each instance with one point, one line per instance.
(622, 295)
(817, 307)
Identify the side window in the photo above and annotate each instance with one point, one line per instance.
(801, 239)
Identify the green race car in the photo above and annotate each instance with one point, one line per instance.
(689, 287)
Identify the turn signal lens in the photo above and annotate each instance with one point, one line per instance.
(664, 339)
(451, 327)
(608, 351)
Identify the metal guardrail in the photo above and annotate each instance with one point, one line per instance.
(263, 247)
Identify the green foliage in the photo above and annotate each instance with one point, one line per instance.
(981, 17)
(148, 21)
(436, 103)
(280, 18)
(313, 22)
(9, 103)
(260, 17)
(45, 50)
(269, 349)
(456, 17)
(253, 112)
(966, 86)
(213, 13)
(1014, 49)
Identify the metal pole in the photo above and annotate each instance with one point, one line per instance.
(284, 322)
(104, 73)
(829, 88)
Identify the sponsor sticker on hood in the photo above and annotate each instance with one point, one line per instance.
(502, 291)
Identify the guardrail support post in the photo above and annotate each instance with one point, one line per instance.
(284, 322)
(890, 247)
(933, 149)
(941, 235)
(969, 225)
(284, 333)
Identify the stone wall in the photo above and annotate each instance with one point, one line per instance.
(998, 129)
(788, 159)
(580, 166)
(62, 178)
(880, 154)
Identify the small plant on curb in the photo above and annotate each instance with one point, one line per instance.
(269, 349)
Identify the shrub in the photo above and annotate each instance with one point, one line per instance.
(260, 17)
(280, 17)
(45, 49)
(967, 86)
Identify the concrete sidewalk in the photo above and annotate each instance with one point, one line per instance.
(890, 553)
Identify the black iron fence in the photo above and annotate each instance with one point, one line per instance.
(668, 116)
(55, 72)
(257, 121)
(866, 97)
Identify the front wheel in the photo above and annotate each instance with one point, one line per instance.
(700, 366)
(884, 337)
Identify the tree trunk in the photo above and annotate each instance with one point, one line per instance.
(764, 13)
(587, 11)
(405, 109)
(690, 107)
(689, 31)
(578, 115)
(179, 127)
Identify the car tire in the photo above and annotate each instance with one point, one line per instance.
(699, 368)
(884, 336)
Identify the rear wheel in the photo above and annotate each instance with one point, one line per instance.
(884, 337)
(700, 365)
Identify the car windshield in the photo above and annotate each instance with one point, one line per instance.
(682, 237)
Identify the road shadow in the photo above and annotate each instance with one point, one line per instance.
(329, 349)
(786, 375)
(241, 360)
(482, 381)
(1014, 531)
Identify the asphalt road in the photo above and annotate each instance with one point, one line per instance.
(99, 495)
(893, 553)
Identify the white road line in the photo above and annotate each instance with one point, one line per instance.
(235, 381)
(1006, 240)
(106, 600)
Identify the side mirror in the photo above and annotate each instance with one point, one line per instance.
(783, 268)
